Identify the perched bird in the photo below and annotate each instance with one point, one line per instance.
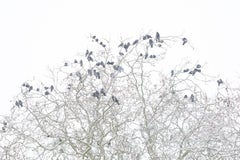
(185, 70)
(96, 40)
(151, 43)
(75, 61)
(220, 81)
(20, 103)
(172, 73)
(96, 94)
(89, 58)
(157, 37)
(4, 123)
(184, 41)
(110, 63)
(51, 88)
(37, 89)
(141, 54)
(93, 37)
(89, 72)
(192, 98)
(81, 63)
(103, 45)
(126, 46)
(65, 64)
(118, 68)
(197, 70)
(102, 92)
(146, 37)
(27, 85)
(198, 66)
(121, 44)
(46, 93)
(115, 100)
(87, 52)
(146, 56)
(30, 88)
(135, 42)
(121, 54)
(185, 96)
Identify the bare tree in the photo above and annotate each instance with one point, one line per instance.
(118, 104)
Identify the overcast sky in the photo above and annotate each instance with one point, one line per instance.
(37, 34)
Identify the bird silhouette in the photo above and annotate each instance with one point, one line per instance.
(37, 89)
(30, 88)
(96, 94)
(81, 63)
(151, 43)
(157, 37)
(51, 88)
(89, 72)
(185, 96)
(172, 73)
(46, 93)
(184, 41)
(115, 100)
(198, 66)
(75, 61)
(185, 70)
(146, 56)
(220, 81)
(135, 42)
(65, 64)
(121, 54)
(103, 92)
(110, 63)
(192, 98)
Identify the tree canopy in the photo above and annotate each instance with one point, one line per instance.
(116, 103)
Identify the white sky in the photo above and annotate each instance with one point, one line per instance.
(36, 34)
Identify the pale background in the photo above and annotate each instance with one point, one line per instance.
(37, 34)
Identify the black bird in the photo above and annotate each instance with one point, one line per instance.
(70, 74)
(118, 68)
(135, 42)
(103, 92)
(4, 129)
(4, 123)
(185, 96)
(146, 56)
(27, 85)
(198, 66)
(38, 89)
(146, 37)
(150, 56)
(30, 88)
(184, 41)
(192, 98)
(96, 40)
(89, 58)
(46, 88)
(121, 54)
(126, 46)
(141, 54)
(16, 103)
(89, 72)
(93, 37)
(75, 61)
(103, 65)
(81, 63)
(172, 73)
(220, 81)
(103, 45)
(96, 94)
(115, 100)
(120, 45)
(24, 85)
(65, 64)
(51, 88)
(87, 52)
(79, 75)
(197, 70)
(185, 70)
(157, 37)
(97, 75)
(151, 43)
(98, 64)
(110, 63)
(46, 93)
